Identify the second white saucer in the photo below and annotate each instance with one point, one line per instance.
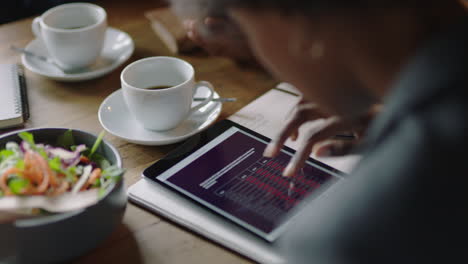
(118, 47)
(117, 120)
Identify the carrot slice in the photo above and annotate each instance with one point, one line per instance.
(62, 188)
(39, 161)
(95, 174)
(46, 170)
(84, 159)
(31, 168)
(4, 178)
(42, 188)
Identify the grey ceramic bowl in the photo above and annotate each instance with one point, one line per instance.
(62, 237)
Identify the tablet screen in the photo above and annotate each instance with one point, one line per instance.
(230, 176)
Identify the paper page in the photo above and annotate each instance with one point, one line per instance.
(8, 94)
(267, 115)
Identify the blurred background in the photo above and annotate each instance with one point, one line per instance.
(16, 9)
(12, 10)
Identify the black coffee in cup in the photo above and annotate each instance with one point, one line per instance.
(158, 87)
(76, 27)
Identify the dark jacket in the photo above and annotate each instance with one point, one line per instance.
(406, 202)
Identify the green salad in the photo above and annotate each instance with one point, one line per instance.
(31, 168)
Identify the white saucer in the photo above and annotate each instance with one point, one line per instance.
(118, 47)
(117, 120)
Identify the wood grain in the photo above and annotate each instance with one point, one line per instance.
(143, 237)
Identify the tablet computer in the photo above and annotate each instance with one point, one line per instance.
(222, 169)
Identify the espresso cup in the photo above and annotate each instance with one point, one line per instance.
(159, 91)
(72, 33)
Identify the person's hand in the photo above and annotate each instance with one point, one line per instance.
(337, 136)
(219, 37)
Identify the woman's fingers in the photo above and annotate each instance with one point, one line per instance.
(275, 145)
(219, 36)
(323, 142)
(304, 113)
(188, 24)
(333, 126)
(193, 32)
(294, 135)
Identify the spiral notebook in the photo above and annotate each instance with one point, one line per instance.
(14, 110)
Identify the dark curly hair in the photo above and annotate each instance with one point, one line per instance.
(304, 7)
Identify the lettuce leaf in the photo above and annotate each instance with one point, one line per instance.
(29, 138)
(109, 177)
(4, 154)
(17, 185)
(97, 143)
(20, 164)
(102, 162)
(66, 140)
(55, 164)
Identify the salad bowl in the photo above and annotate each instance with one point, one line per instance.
(60, 237)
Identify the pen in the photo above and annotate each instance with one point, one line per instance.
(40, 57)
(223, 100)
(345, 136)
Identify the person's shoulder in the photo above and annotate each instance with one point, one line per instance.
(444, 120)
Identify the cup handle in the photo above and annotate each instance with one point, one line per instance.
(207, 100)
(36, 27)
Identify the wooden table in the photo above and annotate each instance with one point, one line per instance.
(143, 237)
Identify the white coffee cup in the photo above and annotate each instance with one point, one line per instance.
(72, 33)
(161, 109)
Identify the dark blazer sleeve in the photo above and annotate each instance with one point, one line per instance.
(405, 203)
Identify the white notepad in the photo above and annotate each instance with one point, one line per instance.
(264, 119)
(13, 101)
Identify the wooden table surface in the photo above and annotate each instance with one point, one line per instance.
(143, 237)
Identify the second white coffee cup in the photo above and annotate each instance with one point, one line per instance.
(73, 34)
(159, 91)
